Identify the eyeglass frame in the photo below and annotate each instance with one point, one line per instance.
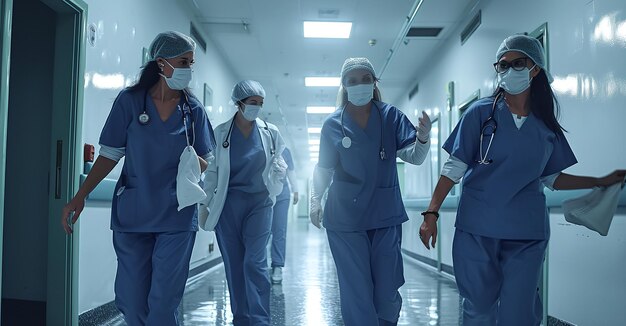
(510, 64)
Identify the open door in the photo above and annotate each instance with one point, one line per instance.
(42, 146)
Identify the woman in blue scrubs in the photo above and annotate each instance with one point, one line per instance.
(150, 124)
(506, 148)
(363, 214)
(242, 184)
(280, 217)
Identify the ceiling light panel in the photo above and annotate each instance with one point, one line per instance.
(327, 29)
(322, 81)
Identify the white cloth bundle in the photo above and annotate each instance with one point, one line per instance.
(594, 210)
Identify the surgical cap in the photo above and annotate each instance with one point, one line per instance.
(356, 63)
(170, 44)
(245, 89)
(527, 45)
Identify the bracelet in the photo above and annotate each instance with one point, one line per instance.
(430, 212)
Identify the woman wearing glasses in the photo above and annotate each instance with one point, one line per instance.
(507, 147)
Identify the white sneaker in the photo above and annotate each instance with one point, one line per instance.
(277, 275)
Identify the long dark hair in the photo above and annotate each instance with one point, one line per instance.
(543, 103)
(148, 77)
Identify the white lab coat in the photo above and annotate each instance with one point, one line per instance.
(217, 174)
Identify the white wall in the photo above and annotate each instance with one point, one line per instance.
(587, 44)
(123, 29)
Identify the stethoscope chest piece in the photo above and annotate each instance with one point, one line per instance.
(346, 142)
(144, 118)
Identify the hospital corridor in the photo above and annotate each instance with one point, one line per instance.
(312, 162)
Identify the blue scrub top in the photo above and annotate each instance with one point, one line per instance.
(247, 161)
(286, 193)
(505, 199)
(365, 192)
(145, 195)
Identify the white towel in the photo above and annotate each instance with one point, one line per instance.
(188, 190)
(594, 210)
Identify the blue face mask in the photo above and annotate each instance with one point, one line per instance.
(251, 112)
(515, 82)
(181, 77)
(361, 94)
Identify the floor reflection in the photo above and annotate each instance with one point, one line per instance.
(309, 294)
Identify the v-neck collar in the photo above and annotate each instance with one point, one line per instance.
(155, 113)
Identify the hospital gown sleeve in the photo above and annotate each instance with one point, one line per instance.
(464, 140)
(115, 128)
(454, 169)
(409, 149)
(561, 157)
(328, 157)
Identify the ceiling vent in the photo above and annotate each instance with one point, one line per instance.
(471, 27)
(328, 13)
(196, 35)
(424, 32)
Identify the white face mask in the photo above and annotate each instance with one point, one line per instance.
(251, 112)
(515, 82)
(361, 94)
(181, 77)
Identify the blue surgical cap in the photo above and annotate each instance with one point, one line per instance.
(171, 44)
(356, 63)
(527, 45)
(245, 89)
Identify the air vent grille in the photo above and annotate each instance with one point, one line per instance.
(471, 27)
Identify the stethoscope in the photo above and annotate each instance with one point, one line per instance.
(346, 142)
(226, 142)
(144, 118)
(488, 128)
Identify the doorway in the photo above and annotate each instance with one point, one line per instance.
(39, 141)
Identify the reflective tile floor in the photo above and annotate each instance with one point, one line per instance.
(309, 294)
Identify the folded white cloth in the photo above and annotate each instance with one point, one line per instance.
(188, 190)
(594, 210)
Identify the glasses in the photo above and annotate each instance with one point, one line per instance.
(518, 64)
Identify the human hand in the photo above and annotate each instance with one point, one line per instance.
(296, 197)
(316, 213)
(613, 178)
(423, 128)
(428, 230)
(76, 206)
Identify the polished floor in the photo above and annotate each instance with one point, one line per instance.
(309, 294)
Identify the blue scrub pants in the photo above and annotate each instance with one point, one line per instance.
(243, 232)
(152, 270)
(370, 271)
(279, 231)
(498, 279)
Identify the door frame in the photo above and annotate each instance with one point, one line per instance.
(6, 13)
(67, 108)
(66, 163)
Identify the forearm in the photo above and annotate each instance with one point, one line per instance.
(569, 182)
(441, 191)
(101, 168)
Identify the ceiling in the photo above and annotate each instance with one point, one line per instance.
(263, 40)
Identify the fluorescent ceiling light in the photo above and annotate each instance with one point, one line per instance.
(320, 109)
(314, 141)
(322, 81)
(314, 159)
(314, 148)
(314, 154)
(315, 130)
(327, 29)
